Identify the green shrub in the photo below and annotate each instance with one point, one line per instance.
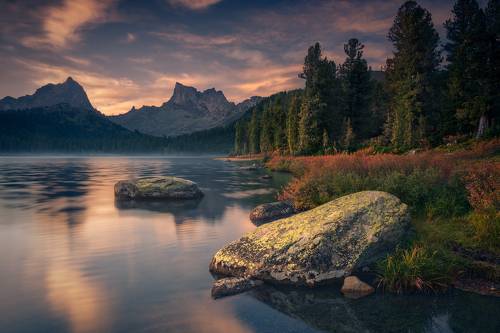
(414, 269)
(486, 226)
(425, 191)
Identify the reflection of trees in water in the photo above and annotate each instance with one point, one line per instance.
(53, 189)
(327, 310)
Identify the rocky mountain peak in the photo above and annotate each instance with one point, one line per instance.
(184, 94)
(69, 92)
(187, 111)
(210, 100)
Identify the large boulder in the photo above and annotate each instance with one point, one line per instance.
(271, 211)
(320, 245)
(157, 188)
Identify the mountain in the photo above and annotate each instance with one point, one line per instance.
(187, 111)
(69, 92)
(63, 128)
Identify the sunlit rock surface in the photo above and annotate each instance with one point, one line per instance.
(157, 188)
(355, 288)
(320, 245)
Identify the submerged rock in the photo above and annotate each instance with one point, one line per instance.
(252, 167)
(232, 286)
(320, 245)
(157, 188)
(271, 211)
(355, 288)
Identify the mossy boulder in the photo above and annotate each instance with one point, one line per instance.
(318, 246)
(157, 188)
(271, 211)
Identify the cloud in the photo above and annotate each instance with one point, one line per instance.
(111, 95)
(194, 4)
(194, 40)
(62, 25)
(130, 37)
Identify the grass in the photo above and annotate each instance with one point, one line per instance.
(454, 196)
(416, 268)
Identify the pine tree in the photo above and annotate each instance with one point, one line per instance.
(356, 86)
(254, 133)
(292, 125)
(467, 70)
(319, 107)
(410, 75)
(309, 130)
(492, 13)
(349, 136)
(279, 125)
(266, 131)
(238, 139)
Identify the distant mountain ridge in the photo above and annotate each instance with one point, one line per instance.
(60, 118)
(187, 111)
(69, 92)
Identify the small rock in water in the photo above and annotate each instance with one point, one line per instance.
(271, 211)
(355, 288)
(232, 286)
(157, 188)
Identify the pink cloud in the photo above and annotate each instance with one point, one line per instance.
(62, 24)
(194, 4)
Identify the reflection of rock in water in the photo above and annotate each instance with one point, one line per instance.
(180, 209)
(327, 310)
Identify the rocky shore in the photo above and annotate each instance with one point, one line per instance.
(318, 246)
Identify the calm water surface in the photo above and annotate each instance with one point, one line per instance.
(74, 260)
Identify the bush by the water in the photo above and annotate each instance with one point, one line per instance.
(433, 183)
(416, 268)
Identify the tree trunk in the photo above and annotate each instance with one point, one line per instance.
(483, 125)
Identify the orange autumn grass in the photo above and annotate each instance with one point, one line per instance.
(424, 180)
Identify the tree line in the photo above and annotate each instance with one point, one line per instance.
(430, 93)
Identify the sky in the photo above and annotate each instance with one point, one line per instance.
(130, 53)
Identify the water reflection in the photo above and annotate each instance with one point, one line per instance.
(182, 210)
(75, 260)
(77, 298)
(326, 310)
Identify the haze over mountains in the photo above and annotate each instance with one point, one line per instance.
(187, 111)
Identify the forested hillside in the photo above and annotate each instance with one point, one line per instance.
(427, 97)
(63, 128)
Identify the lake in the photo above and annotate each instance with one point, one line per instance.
(74, 260)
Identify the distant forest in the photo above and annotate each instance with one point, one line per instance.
(62, 128)
(426, 98)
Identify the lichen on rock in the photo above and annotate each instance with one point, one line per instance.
(157, 188)
(271, 211)
(320, 245)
